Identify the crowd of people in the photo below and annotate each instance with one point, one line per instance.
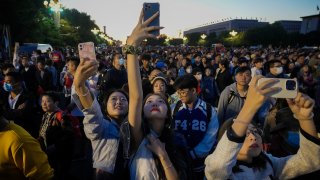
(160, 113)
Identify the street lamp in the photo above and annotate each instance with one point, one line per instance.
(56, 7)
(203, 36)
(185, 39)
(167, 40)
(233, 34)
(95, 31)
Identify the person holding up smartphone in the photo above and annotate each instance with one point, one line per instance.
(154, 155)
(239, 152)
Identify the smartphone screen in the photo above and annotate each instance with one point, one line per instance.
(87, 50)
(149, 9)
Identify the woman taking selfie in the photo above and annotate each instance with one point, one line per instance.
(153, 154)
(103, 131)
(239, 153)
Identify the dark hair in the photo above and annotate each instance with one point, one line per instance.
(225, 63)
(242, 70)
(41, 60)
(6, 66)
(167, 138)
(272, 62)
(106, 98)
(146, 57)
(258, 162)
(53, 95)
(185, 81)
(75, 60)
(113, 56)
(15, 75)
(49, 62)
(241, 61)
(257, 60)
(2, 107)
(196, 70)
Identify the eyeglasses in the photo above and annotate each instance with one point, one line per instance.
(182, 92)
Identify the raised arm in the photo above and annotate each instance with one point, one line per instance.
(302, 108)
(255, 98)
(86, 69)
(307, 158)
(140, 32)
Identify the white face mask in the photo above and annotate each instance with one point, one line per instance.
(279, 70)
(189, 70)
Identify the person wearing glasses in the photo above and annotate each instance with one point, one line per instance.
(195, 121)
(239, 153)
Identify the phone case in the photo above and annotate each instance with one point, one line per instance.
(87, 50)
(149, 9)
(289, 87)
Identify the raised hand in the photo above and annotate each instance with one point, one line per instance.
(257, 94)
(156, 146)
(141, 31)
(302, 107)
(86, 69)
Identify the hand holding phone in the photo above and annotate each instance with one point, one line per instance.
(149, 9)
(289, 87)
(87, 51)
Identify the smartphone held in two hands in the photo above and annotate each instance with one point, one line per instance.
(289, 87)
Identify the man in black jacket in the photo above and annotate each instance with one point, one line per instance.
(28, 73)
(113, 78)
(19, 105)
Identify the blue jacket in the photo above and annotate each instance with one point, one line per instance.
(192, 124)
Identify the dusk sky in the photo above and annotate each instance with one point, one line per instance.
(120, 16)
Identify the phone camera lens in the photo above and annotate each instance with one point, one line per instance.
(291, 85)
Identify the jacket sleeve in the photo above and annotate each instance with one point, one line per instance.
(94, 123)
(305, 161)
(18, 115)
(222, 105)
(209, 139)
(219, 164)
(31, 160)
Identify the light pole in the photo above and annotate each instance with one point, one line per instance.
(233, 34)
(56, 7)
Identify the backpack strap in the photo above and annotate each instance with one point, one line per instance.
(231, 96)
(176, 109)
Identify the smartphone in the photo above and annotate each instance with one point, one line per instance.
(149, 9)
(87, 50)
(289, 87)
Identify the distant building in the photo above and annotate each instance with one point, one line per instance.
(310, 23)
(290, 26)
(239, 25)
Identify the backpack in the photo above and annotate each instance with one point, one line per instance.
(64, 116)
(179, 104)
